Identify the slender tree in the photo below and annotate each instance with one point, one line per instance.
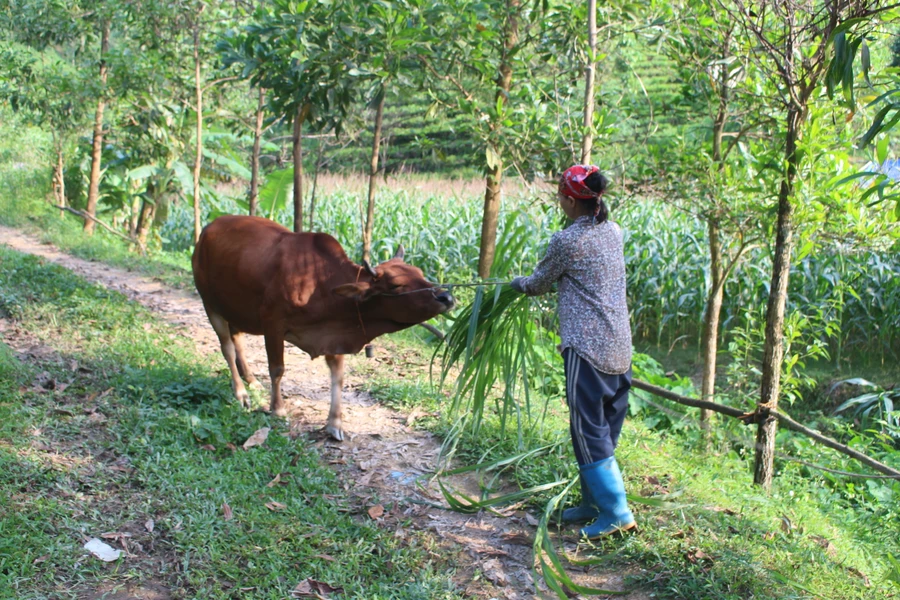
(196, 34)
(254, 156)
(795, 39)
(373, 174)
(589, 68)
(97, 140)
(301, 55)
(704, 47)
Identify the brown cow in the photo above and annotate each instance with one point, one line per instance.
(257, 277)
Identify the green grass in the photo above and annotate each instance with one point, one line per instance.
(720, 537)
(24, 185)
(123, 444)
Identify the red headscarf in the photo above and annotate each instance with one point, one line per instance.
(572, 184)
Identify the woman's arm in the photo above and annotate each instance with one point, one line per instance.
(549, 270)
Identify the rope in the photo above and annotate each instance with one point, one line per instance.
(447, 286)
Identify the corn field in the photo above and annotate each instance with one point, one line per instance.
(848, 299)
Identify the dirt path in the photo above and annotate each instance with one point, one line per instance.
(381, 459)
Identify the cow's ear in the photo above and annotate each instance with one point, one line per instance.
(355, 291)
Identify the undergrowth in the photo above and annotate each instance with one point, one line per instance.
(114, 428)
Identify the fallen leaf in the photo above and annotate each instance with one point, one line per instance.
(40, 559)
(258, 438)
(275, 481)
(697, 555)
(825, 544)
(149, 524)
(325, 557)
(861, 575)
(275, 506)
(231, 446)
(102, 550)
(493, 571)
(310, 588)
(517, 537)
(209, 447)
(786, 525)
(376, 511)
(727, 511)
(226, 511)
(531, 520)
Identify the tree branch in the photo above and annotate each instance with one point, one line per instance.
(84, 215)
(218, 81)
(755, 416)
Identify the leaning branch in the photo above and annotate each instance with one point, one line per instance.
(84, 215)
(670, 395)
(826, 441)
(762, 413)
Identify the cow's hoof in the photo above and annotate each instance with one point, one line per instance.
(244, 398)
(280, 412)
(335, 432)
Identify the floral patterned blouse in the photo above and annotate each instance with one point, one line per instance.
(588, 261)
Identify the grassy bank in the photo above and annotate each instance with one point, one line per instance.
(111, 426)
(706, 532)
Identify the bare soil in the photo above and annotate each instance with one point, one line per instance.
(383, 461)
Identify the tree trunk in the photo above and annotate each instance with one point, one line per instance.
(145, 221)
(773, 353)
(494, 178)
(588, 140)
(373, 174)
(59, 182)
(489, 220)
(711, 320)
(716, 270)
(298, 168)
(198, 157)
(97, 144)
(315, 184)
(254, 157)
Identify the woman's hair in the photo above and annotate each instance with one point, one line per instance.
(598, 183)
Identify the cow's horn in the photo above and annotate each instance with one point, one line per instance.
(369, 268)
(399, 252)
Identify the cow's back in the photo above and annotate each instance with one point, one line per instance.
(234, 262)
(250, 270)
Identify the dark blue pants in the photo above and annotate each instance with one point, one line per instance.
(597, 406)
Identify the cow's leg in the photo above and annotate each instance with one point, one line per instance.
(223, 330)
(275, 353)
(336, 365)
(243, 368)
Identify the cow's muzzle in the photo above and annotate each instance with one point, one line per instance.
(445, 298)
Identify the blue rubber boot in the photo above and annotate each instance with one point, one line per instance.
(604, 480)
(586, 511)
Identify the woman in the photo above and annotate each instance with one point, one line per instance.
(587, 259)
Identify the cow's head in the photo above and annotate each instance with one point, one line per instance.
(398, 292)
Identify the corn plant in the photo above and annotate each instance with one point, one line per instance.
(852, 296)
(875, 407)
